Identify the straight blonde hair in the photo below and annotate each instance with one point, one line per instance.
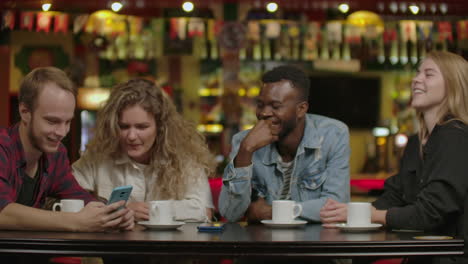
(454, 69)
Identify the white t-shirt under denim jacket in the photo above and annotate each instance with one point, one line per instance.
(321, 171)
(103, 175)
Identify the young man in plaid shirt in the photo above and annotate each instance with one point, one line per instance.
(34, 163)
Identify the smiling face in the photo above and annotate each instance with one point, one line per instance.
(428, 87)
(50, 120)
(137, 133)
(278, 102)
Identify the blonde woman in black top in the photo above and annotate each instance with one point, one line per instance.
(430, 189)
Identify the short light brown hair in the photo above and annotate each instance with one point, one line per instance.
(34, 82)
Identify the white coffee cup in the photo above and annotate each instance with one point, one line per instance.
(161, 212)
(69, 205)
(359, 214)
(284, 211)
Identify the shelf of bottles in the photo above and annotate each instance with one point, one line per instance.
(214, 101)
(374, 43)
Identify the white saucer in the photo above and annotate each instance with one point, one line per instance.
(157, 226)
(371, 227)
(294, 223)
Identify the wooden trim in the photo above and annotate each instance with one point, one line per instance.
(5, 86)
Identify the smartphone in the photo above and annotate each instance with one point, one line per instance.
(120, 193)
(211, 227)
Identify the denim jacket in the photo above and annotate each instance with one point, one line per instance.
(321, 171)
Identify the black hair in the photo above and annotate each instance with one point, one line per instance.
(296, 76)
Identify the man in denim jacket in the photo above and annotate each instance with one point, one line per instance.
(288, 154)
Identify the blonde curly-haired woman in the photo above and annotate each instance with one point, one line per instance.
(141, 140)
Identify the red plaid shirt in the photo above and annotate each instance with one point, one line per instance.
(56, 179)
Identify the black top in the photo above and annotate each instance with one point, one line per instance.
(429, 191)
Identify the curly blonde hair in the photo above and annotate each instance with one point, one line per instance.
(178, 148)
(454, 69)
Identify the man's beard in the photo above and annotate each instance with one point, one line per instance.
(32, 137)
(288, 127)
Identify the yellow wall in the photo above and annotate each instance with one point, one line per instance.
(162, 68)
(360, 138)
(190, 83)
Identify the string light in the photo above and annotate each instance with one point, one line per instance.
(46, 7)
(272, 7)
(380, 6)
(443, 8)
(116, 6)
(401, 140)
(188, 6)
(380, 131)
(344, 8)
(403, 7)
(414, 9)
(422, 7)
(393, 7)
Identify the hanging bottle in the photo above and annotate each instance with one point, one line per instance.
(324, 53)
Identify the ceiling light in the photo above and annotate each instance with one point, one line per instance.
(140, 3)
(422, 7)
(344, 8)
(324, 5)
(401, 140)
(393, 7)
(381, 59)
(414, 9)
(188, 6)
(272, 7)
(380, 131)
(403, 59)
(46, 7)
(403, 7)
(365, 18)
(380, 6)
(443, 8)
(116, 6)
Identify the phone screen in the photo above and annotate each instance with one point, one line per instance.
(211, 227)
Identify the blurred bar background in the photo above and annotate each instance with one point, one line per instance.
(209, 56)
